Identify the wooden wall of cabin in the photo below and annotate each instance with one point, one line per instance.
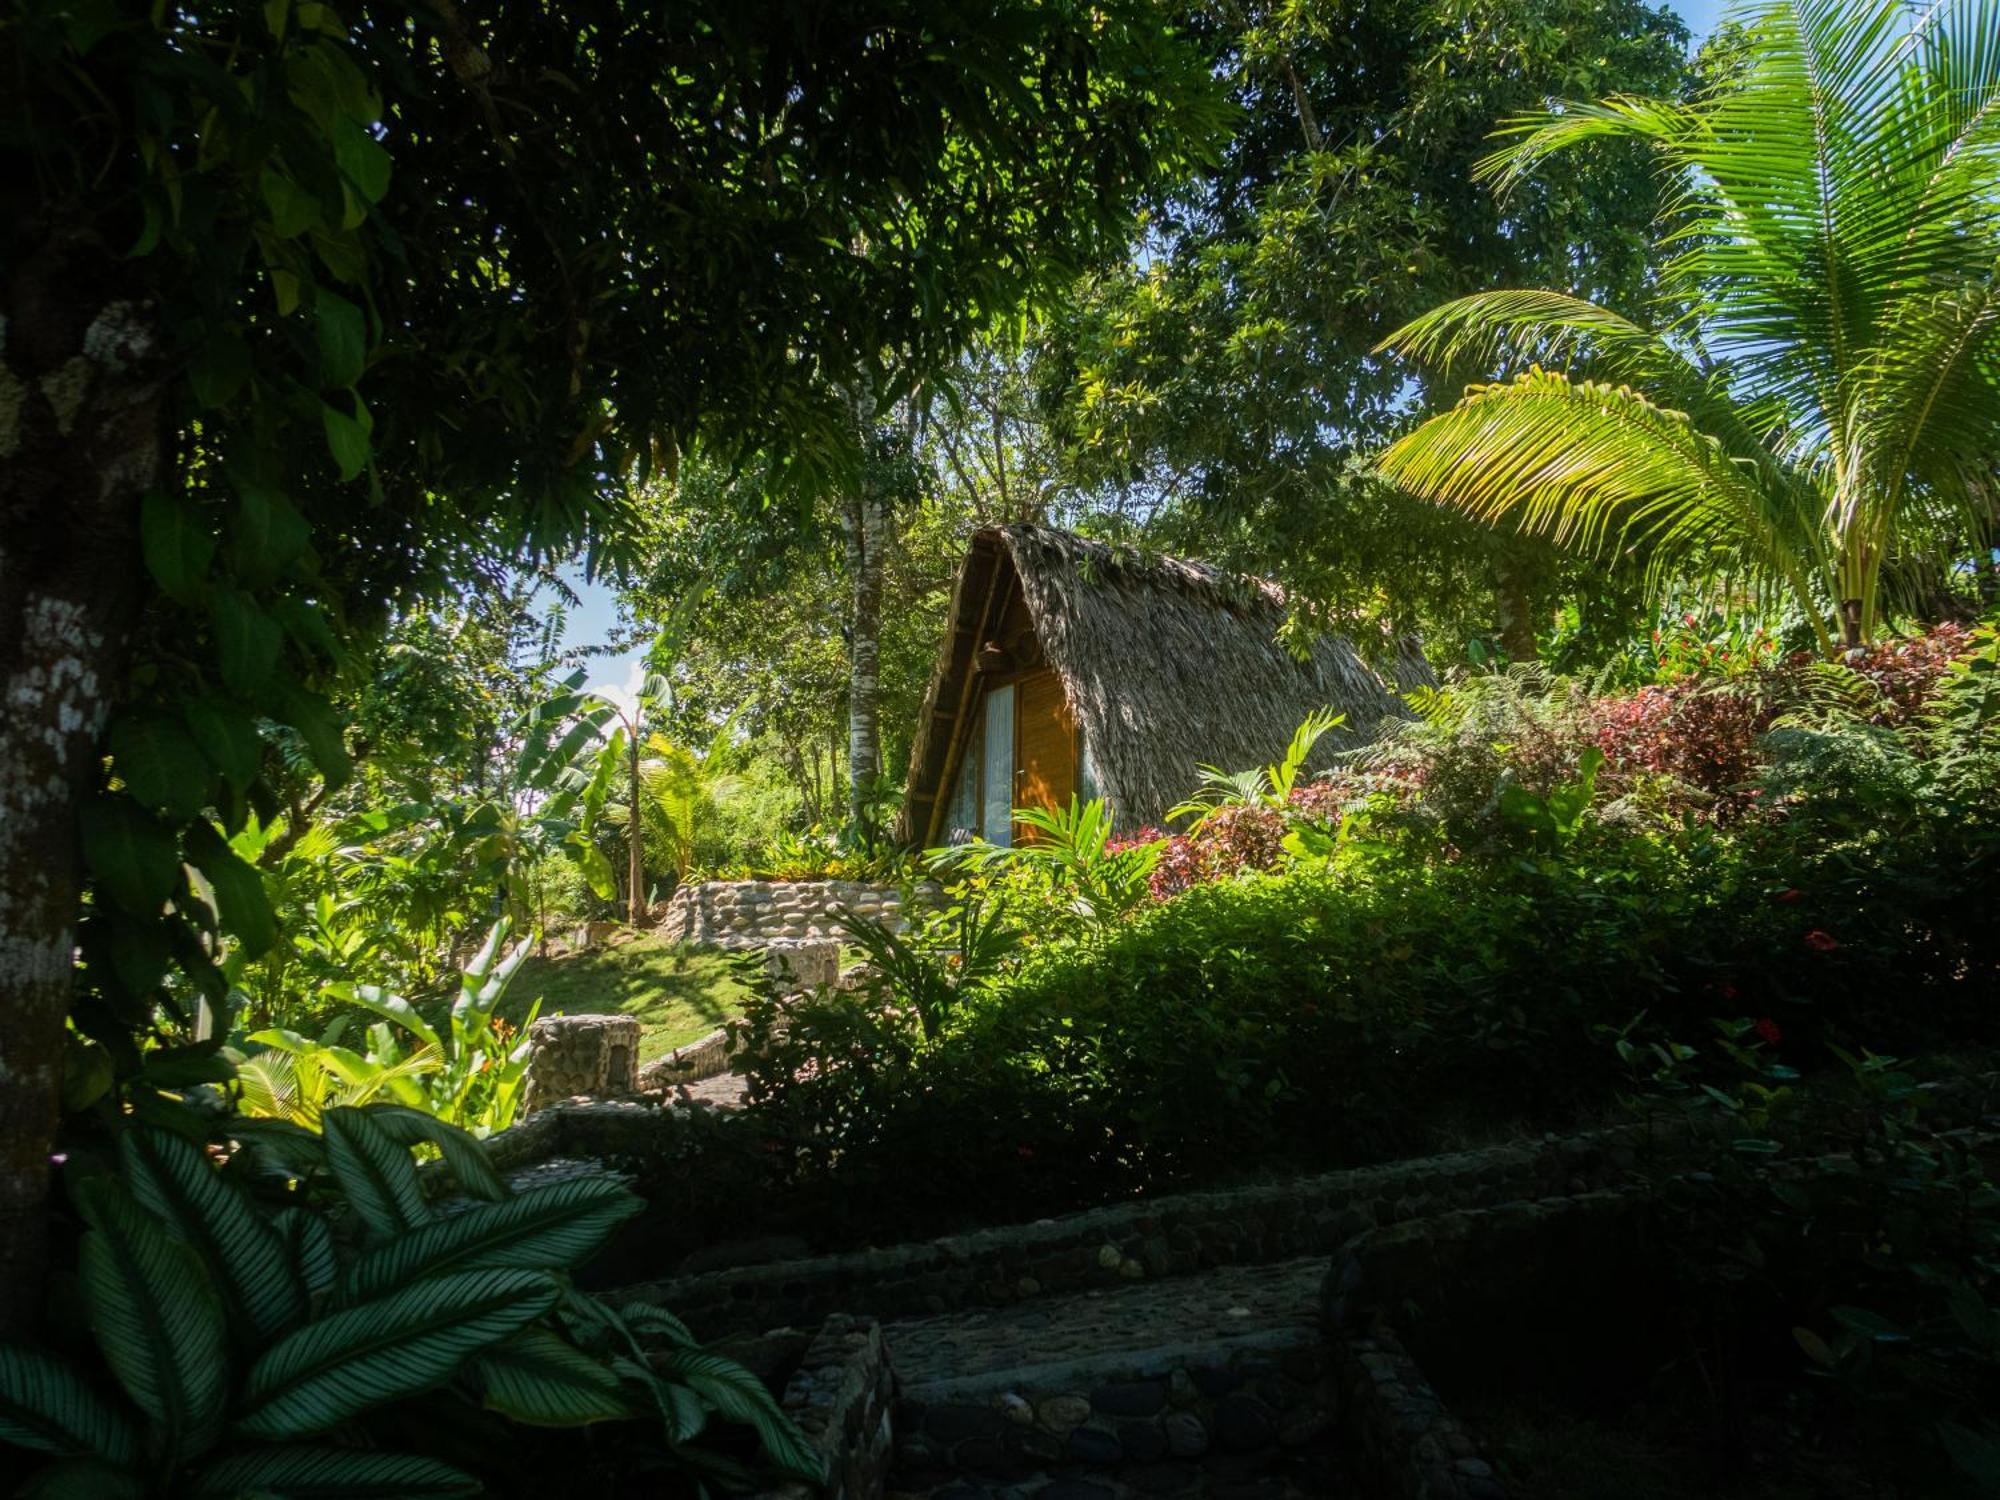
(1045, 748)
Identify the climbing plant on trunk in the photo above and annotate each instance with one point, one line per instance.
(306, 310)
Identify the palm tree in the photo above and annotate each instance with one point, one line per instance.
(1823, 396)
(682, 791)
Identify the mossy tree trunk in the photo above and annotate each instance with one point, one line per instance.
(81, 423)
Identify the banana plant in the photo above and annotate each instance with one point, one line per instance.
(248, 1348)
(470, 1071)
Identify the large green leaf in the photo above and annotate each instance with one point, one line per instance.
(241, 902)
(130, 852)
(374, 1171)
(86, 1479)
(227, 735)
(299, 1472)
(178, 545)
(544, 1381)
(741, 1397)
(47, 1406)
(391, 1007)
(461, 1149)
(386, 1349)
(247, 641)
(343, 339)
(546, 1228)
(160, 762)
(155, 1314)
(262, 1294)
(309, 1247)
(266, 533)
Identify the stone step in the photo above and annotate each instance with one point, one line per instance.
(1213, 1384)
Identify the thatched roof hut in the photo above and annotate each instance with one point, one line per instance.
(1072, 666)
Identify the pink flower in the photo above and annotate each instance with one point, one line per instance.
(1822, 940)
(1768, 1030)
(1786, 896)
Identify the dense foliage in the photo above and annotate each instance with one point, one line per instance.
(1806, 411)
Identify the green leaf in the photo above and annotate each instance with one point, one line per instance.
(130, 852)
(374, 1171)
(178, 545)
(159, 762)
(383, 1350)
(320, 727)
(538, 1378)
(343, 339)
(265, 534)
(245, 1255)
(227, 736)
(293, 209)
(309, 1247)
(219, 371)
(596, 868)
(241, 901)
(545, 1228)
(376, 1000)
(741, 1397)
(47, 1406)
(306, 624)
(247, 641)
(362, 158)
(298, 1472)
(85, 1479)
(155, 1314)
(347, 437)
(462, 1151)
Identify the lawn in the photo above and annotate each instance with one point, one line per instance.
(677, 993)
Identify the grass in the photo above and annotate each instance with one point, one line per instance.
(677, 993)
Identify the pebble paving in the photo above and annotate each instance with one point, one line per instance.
(1056, 1343)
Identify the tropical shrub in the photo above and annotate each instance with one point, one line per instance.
(299, 1345)
(470, 1069)
(1065, 868)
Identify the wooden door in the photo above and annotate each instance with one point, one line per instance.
(1044, 744)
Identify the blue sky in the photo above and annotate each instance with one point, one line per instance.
(593, 622)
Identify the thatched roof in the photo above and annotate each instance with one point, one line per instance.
(1168, 665)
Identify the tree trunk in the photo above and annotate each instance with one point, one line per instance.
(867, 533)
(1514, 609)
(81, 423)
(635, 835)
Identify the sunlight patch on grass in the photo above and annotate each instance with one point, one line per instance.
(677, 993)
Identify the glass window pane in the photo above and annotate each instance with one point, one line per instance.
(997, 796)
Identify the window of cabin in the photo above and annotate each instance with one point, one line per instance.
(962, 814)
(996, 785)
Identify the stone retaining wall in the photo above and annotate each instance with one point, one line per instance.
(751, 913)
(1110, 1246)
(841, 1396)
(594, 1056)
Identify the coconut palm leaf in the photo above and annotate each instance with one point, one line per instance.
(1831, 297)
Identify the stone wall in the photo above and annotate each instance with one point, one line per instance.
(1103, 1247)
(572, 1056)
(752, 913)
(841, 1396)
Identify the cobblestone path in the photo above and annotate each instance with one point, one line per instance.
(1206, 1385)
